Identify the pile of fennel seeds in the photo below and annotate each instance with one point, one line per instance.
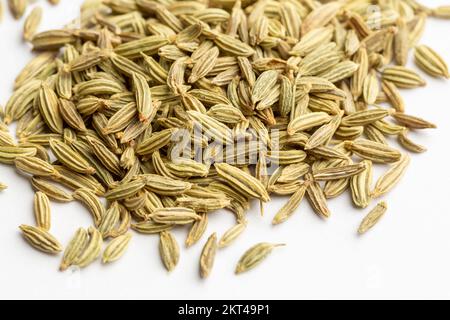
(107, 98)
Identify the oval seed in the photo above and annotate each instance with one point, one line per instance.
(389, 179)
(41, 239)
(372, 218)
(232, 234)
(169, 250)
(291, 206)
(50, 190)
(92, 203)
(431, 62)
(197, 230)
(254, 256)
(92, 250)
(208, 256)
(74, 248)
(42, 211)
(110, 219)
(116, 248)
(70, 158)
(36, 166)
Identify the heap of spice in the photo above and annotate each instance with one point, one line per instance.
(310, 89)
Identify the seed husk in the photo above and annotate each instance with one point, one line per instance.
(52, 40)
(371, 88)
(324, 133)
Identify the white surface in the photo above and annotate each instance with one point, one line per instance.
(406, 256)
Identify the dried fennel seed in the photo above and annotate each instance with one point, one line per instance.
(372, 217)
(208, 256)
(3, 186)
(74, 248)
(116, 248)
(119, 97)
(254, 256)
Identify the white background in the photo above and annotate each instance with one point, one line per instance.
(407, 255)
